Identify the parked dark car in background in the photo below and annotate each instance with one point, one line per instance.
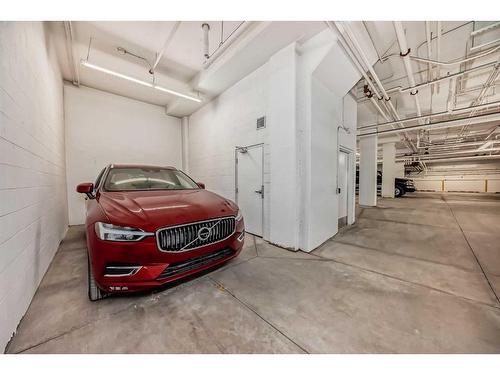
(401, 185)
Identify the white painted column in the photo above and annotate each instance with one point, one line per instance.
(368, 171)
(388, 169)
(281, 116)
(185, 143)
(400, 170)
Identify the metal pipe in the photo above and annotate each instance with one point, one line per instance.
(479, 100)
(206, 29)
(428, 37)
(351, 46)
(70, 50)
(165, 46)
(359, 50)
(495, 41)
(485, 29)
(450, 101)
(438, 52)
(242, 28)
(462, 158)
(450, 76)
(464, 152)
(432, 115)
(439, 125)
(405, 52)
(451, 63)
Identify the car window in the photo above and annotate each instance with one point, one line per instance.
(130, 179)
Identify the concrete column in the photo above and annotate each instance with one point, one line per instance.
(185, 143)
(368, 171)
(281, 116)
(400, 170)
(388, 169)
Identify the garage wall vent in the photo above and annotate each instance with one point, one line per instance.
(261, 122)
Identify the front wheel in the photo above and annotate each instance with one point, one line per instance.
(398, 191)
(95, 293)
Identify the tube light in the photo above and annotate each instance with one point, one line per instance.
(138, 81)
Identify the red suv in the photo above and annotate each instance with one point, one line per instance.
(148, 225)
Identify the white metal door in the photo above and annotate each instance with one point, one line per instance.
(250, 186)
(343, 176)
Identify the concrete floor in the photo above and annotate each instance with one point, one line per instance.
(414, 275)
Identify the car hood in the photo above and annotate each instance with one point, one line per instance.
(151, 210)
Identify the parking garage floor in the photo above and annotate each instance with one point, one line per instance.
(420, 274)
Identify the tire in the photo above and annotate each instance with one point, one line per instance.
(95, 293)
(398, 191)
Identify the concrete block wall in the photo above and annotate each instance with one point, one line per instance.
(479, 176)
(33, 204)
(230, 120)
(103, 128)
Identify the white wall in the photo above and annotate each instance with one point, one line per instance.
(103, 128)
(325, 75)
(300, 207)
(230, 120)
(479, 176)
(284, 157)
(33, 204)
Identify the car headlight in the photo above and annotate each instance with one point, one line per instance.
(110, 232)
(239, 215)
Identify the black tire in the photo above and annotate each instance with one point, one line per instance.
(398, 191)
(95, 293)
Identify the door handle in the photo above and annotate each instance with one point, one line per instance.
(261, 191)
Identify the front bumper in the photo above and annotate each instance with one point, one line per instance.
(151, 267)
(410, 188)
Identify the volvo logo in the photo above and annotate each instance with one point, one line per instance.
(204, 233)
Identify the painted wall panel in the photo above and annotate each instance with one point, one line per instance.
(33, 203)
(103, 128)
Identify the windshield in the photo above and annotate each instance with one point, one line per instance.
(130, 179)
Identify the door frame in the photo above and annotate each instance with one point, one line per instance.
(350, 179)
(236, 152)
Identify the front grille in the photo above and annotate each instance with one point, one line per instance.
(193, 263)
(185, 237)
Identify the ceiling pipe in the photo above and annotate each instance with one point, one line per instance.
(165, 46)
(450, 101)
(463, 152)
(461, 158)
(428, 36)
(433, 115)
(452, 63)
(349, 37)
(405, 54)
(206, 29)
(480, 98)
(444, 147)
(70, 50)
(368, 81)
(449, 76)
(438, 52)
(235, 35)
(439, 125)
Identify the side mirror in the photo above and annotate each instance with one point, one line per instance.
(201, 185)
(86, 188)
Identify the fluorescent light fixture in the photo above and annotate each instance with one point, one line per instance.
(485, 146)
(138, 81)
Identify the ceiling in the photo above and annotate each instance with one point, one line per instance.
(456, 43)
(182, 67)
